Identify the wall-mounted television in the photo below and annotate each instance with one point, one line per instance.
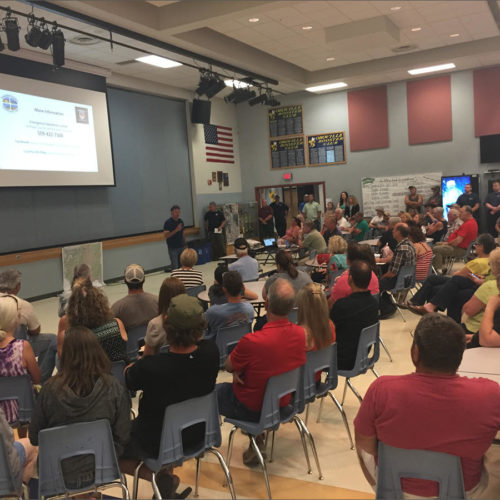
(489, 147)
(453, 186)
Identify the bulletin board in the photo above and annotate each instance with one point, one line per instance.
(326, 149)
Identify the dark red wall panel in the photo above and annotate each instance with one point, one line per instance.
(487, 101)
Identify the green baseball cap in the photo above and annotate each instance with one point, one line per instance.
(185, 312)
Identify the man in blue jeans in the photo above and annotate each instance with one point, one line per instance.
(173, 229)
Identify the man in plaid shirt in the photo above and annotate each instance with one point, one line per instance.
(404, 255)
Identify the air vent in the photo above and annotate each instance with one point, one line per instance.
(83, 40)
(404, 48)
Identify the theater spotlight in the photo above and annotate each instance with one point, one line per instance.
(58, 47)
(240, 95)
(34, 34)
(46, 38)
(11, 29)
(210, 85)
(260, 99)
(272, 101)
(2, 46)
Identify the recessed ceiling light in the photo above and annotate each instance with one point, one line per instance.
(327, 86)
(396, 7)
(454, 35)
(307, 28)
(254, 20)
(161, 62)
(417, 28)
(330, 58)
(237, 84)
(430, 69)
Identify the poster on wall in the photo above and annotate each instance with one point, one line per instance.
(390, 192)
(325, 149)
(286, 153)
(285, 121)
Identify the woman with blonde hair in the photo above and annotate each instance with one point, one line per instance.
(337, 248)
(313, 316)
(352, 207)
(16, 355)
(89, 307)
(189, 276)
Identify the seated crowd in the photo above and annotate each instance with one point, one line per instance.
(432, 408)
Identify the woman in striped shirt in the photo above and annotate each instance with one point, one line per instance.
(189, 276)
(422, 249)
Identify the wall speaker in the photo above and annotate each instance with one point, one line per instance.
(200, 112)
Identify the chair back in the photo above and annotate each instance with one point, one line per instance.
(468, 253)
(117, 368)
(227, 338)
(365, 356)
(405, 279)
(195, 290)
(20, 389)
(334, 275)
(9, 485)
(134, 336)
(21, 332)
(316, 361)
(396, 463)
(290, 382)
(179, 416)
(90, 444)
(293, 315)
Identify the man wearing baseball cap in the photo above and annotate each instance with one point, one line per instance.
(247, 266)
(137, 307)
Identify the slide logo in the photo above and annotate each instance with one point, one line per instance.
(9, 103)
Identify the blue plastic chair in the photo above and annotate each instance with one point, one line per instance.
(227, 338)
(195, 290)
(134, 336)
(405, 281)
(21, 332)
(9, 485)
(367, 355)
(376, 296)
(272, 415)
(178, 417)
(77, 440)
(117, 368)
(319, 361)
(19, 388)
(397, 463)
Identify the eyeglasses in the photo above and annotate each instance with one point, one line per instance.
(5, 295)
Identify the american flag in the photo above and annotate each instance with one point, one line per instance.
(219, 144)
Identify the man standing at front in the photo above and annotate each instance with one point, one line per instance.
(312, 211)
(173, 229)
(471, 199)
(432, 409)
(280, 211)
(214, 225)
(278, 348)
(492, 205)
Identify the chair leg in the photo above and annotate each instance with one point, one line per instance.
(382, 343)
(229, 478)
(124, 487)
(272, 446)
(307, 412)
(297, 422)
(197, 477)
(345, 390)
(374, 372)
(136, 480)
(230, 445)
(320, 409)
(344, 418)
(156, 491)
(312, 444)
(263, 464)
(397, 307)
(353, 389)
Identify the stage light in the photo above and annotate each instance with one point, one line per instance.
(2, 46)
(216, 85)
(34, 34)
(58, 42)
(240, 95)
(272, 101)
(210, 84)
(11, 29)
(260, 99)
(46, 39)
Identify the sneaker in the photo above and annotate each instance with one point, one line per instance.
(167, 484)
(250, 458)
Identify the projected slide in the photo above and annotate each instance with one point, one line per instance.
(42, 134)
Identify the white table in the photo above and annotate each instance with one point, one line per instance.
(481, 362)
(254, 286)
(372, 243)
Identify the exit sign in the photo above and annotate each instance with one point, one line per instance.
(287, 176)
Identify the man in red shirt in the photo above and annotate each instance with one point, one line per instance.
(278, 348)
(432, 409)
(459, 240)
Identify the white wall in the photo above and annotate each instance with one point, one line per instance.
(328, 113)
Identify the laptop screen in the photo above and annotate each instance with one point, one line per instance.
(269, 242)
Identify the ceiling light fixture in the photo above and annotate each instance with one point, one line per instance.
(254, 20)
(46, 38)
(418, 28)
(431, 69)
(210, 85)
(327, 86)
(58, 43)
(34, 33)
(267, 98)
(240, 95)
(454, 35)
(160, 62)
(396, 7)
(2, 46)
(330, 58)
(11, 28)
(306, 28)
